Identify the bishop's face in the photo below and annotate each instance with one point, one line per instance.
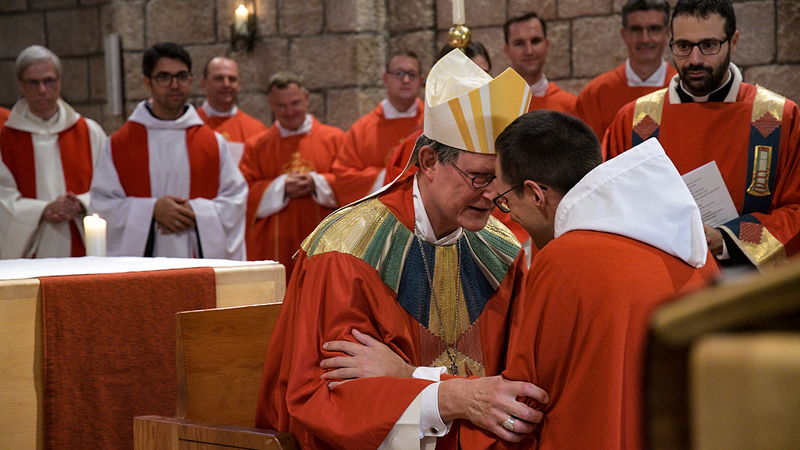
(454, 201)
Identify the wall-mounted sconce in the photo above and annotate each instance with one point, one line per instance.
(243, 28)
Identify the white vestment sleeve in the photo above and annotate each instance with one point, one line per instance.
(220, 221)
(274, 198)
(423, 412)
(405, 433)
(19, 218)
(323, 193)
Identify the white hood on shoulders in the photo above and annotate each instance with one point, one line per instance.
(638, 194)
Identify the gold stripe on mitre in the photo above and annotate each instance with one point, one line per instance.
(465, 108)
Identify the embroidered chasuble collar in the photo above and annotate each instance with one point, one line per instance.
(463, 277)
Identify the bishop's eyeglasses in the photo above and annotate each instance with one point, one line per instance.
(480, 180)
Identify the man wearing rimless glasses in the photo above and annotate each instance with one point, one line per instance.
(165, 182)
(709, 114)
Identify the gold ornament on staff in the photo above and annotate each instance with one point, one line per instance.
(459, 35)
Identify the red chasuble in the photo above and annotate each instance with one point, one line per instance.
(605, 95)
(555, 99)
(694, 134)
(237, 128)
(361, 269)
(129, 150)
(278, 236)
(366, 149)
(75, 148)
(581, 336)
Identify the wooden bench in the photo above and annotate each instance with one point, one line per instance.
(221, 356)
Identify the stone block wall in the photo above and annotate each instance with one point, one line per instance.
(341, 46)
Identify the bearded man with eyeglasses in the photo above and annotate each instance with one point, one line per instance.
(166, 183)
(709, 114)
(48, 155)
(360, 165)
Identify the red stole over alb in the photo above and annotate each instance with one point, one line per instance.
(130, 153)
(75, 149)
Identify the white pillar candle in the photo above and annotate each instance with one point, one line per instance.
(95, 229)
(458, 12)
(240, 19)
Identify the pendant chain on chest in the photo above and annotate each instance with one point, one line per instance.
(451, 348)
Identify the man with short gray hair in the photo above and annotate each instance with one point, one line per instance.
(288, 170)
(48, 155)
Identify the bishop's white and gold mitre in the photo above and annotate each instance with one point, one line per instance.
(466, 109)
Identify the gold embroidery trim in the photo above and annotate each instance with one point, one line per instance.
(767, 101)
(351, 233)
(650, 105)
(767, 254)
(762, 157)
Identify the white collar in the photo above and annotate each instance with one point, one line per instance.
(638, 194)
(211, 112)
(539, 88)
(675, 99)
(422, 224)
(21, 118)
(704, 98)
(656, 79)
(390, 112)
(305, 128)
(142, 115)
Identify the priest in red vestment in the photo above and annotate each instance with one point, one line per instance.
(616, 240)
(360, 162)
(423, 268)
(222, 85)
(708, 114)
(527, 45)
(49, 152)
(645, 34)
(165, 181)
(288, 171)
